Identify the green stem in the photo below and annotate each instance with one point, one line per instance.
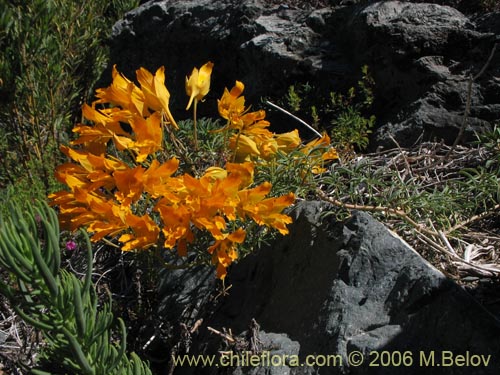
(194, 121)
(236, 145)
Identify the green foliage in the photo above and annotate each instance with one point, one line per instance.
(350, 124)
(293, 99)
(53, 52)
(351, 128)
(345, 115)
(76, 329)
(211, 149)
(491, 141)
(288, 172)
(442, 199)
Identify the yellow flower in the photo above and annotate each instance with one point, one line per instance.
(198, 83)
(288, 141)
(244, 147)
(155, 92)
(231, 103)
(216, 173)
(224, 251)
(319, 151)
(123, 93)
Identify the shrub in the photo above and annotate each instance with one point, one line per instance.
(77, 330)
(53, 52)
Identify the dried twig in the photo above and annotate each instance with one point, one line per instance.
(473, 219)
(228, 338)
(387, 210)
(468, 100)
(295, 118)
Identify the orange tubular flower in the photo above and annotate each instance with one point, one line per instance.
(155, 92)
(129, 184)
(269, 212)
(158, 180)
(106, 126)
(319, 151)
(244, 171)
(149, 135)
(145, 232)
(123, 93)
(265, 211)
(198, 83)
(224, 251)
(231, 104)
(176, 224)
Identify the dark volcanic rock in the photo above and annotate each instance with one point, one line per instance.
(421, 56)
(267, 48)
(333, 288)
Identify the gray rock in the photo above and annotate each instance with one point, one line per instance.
(280, 360)
(420, 55)
(248, 41)
(335, 288)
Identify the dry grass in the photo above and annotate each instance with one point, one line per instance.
(19, 342)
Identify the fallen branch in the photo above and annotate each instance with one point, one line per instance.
(222, 334)
(473, 219)
(388, 210)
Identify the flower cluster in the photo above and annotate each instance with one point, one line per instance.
(118, 187)
(252, 140)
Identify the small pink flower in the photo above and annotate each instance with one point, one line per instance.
(71, 245)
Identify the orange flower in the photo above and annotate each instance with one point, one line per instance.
(106, 127)
(144, 232)
(176, 222)
(123, 93)
(155, 92)
(94, 172)
(105, 217)
(198, 83)
(158, 181)
(224, 251)
(319, 151)
(244, 171)
(129, 184)
(269, 212)
(265, 211)
(230, 104)
(136, 200)
(148, 134)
